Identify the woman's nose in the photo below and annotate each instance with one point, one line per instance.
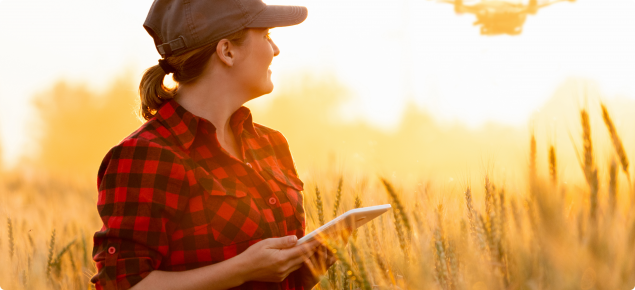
(276, 50)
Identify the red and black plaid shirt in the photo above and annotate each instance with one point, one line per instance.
(171, 198)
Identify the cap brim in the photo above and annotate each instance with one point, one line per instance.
(280, 15)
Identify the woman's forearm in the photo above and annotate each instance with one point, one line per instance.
(224, 275)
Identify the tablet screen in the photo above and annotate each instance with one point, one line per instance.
(347, 221)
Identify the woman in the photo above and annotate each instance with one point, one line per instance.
(200, 197)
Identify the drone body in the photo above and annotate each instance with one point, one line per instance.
(496, 17)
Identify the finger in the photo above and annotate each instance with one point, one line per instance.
(311, 265)
(293, 268)
(306, 249)
(314, 270)
(321, 259)
(296, 256)
(303, 259)
(331, 260)
(317, 263)
(281, 243)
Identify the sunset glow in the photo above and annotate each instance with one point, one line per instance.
(387, 53)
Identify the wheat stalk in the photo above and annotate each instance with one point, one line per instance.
(378, 255)
(401, 236)
(484, 232)
(533, 171)
(319, 205)
(618, 146)
(11, 240)
(338, 197)
(553, 166)
(502, 212)
(516, 214)
(615, 138)
(65, 249)
(442, 266)
(612, 184)
(84, 249)
(454, 262)
(474, 225)
(399, 208)
(360, 267)
(489, 196)
(590, 171)
(320, 209)
(348, 269)
(441, 247)
(358, 204)
(50, 260)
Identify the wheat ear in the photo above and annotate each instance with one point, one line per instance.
(553, 165)
(49, 263)
(338, 197)
(399, 208)
(319, 205)
(615, 138)
(11, 240)
(590, 171)
(358, 204)
(612, 184)
(619, 147)
(533, 172)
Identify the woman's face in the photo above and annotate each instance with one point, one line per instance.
(252, 67)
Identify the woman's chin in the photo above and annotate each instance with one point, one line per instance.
(269, 89)
(266, 89)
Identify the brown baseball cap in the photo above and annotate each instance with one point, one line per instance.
(178, 26)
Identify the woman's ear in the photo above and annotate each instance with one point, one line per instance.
(225, 52)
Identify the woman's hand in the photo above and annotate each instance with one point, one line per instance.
(316, 266)
(320, 262)
(273, 259)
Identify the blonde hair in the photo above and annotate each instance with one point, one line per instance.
(188, 68)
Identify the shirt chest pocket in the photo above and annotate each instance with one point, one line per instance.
(232, 215)
(291, 186)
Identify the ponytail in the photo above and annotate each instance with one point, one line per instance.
(152, 91)
(187, 68)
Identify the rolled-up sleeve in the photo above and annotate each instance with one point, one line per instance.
(143, 190)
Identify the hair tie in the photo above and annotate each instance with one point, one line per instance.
(167, 68)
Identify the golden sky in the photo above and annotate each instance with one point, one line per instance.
(386, 52)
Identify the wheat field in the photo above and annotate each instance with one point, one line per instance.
(548, 237)
(539, 232)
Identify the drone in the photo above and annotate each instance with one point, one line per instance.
(496, 17)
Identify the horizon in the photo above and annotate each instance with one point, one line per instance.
(439, 61)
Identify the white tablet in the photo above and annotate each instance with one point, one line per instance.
(349, 220)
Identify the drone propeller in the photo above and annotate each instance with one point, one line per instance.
(553, 2)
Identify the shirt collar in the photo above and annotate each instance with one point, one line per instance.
(183, 125)
(242, 120)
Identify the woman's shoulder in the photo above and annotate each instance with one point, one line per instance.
(151, 141)
(151, 134)
(280, 147)
(274, 136)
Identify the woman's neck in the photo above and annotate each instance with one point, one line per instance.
(215, 100)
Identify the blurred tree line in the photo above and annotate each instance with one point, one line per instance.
(77, 126)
